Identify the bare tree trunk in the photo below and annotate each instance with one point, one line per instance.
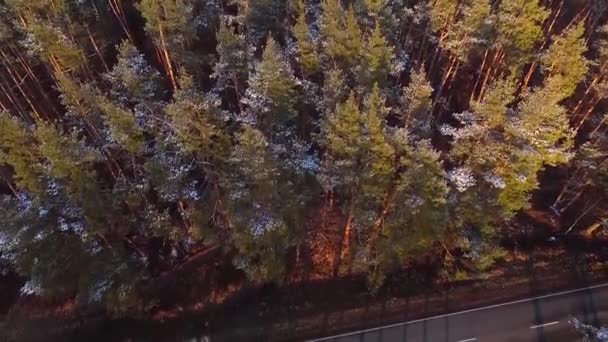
(496, 69)
(529, 75)
(119, 13)
(586, 116)
(25, 96)
(574, 199)
(488, 73)
(345, 246)
(587, 91)
(552, 24)
(421, 53)
(3, 106)
(581, 216)
(25, 65)
(97, 51)
(598, 126)
(13, 99)
(453, 61)
(563, 192)
(379, 223)
(577, 18)
(167, 58)
(479, 74)
(436, 57)
(548, 31)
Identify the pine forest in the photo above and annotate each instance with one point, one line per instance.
(168, 157)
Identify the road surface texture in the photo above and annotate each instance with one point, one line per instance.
(543, 318)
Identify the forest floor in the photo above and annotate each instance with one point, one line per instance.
(317, 306)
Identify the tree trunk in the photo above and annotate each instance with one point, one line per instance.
(548, 31)
(453, 62)
(529, 75)
(167, 58)
(586, 116)
(119, 13)
(488, 73)
(97, 51)
(13, 99)
(25, 96)
(563, 192)
(552, 24)
(25, 65)
(345, 246)
(598, 126)
(422, 47)
(479, 74)
(576, 197)
(581, 216)
(577, 18)
(587, 91)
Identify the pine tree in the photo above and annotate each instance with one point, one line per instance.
(168, 22)
(358, 157)
(54, 41)
(417, 103)
(414, 214)
(343, 161)
(486, 161)
(18, 149)
(494, 106)
(40, 233)
(231, 69)
(342, 34)
(543, 124)
(334, 90)
(443, 12)
(374, 7)
(261, 235)
(565, 62)
(272, 95)
(132, 78)
(343, 136)
(263, 18)
(471, 31)
(519, 26)
(379, 153)
(123, 129)
(377, 59)
(197, 123)
(308, 55)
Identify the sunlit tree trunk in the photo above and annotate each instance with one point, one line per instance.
(598, 126)
(97, 50)
(479, 75)
(548, 32)
(167, 58)
(18, 83)
(454, 63)
(117, 9)
(345, 246)
(3, 106)
(495, 62)
(13, 99)
(25, 65)
(564, 191)
(582, 100)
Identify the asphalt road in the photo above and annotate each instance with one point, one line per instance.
(543, 319)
